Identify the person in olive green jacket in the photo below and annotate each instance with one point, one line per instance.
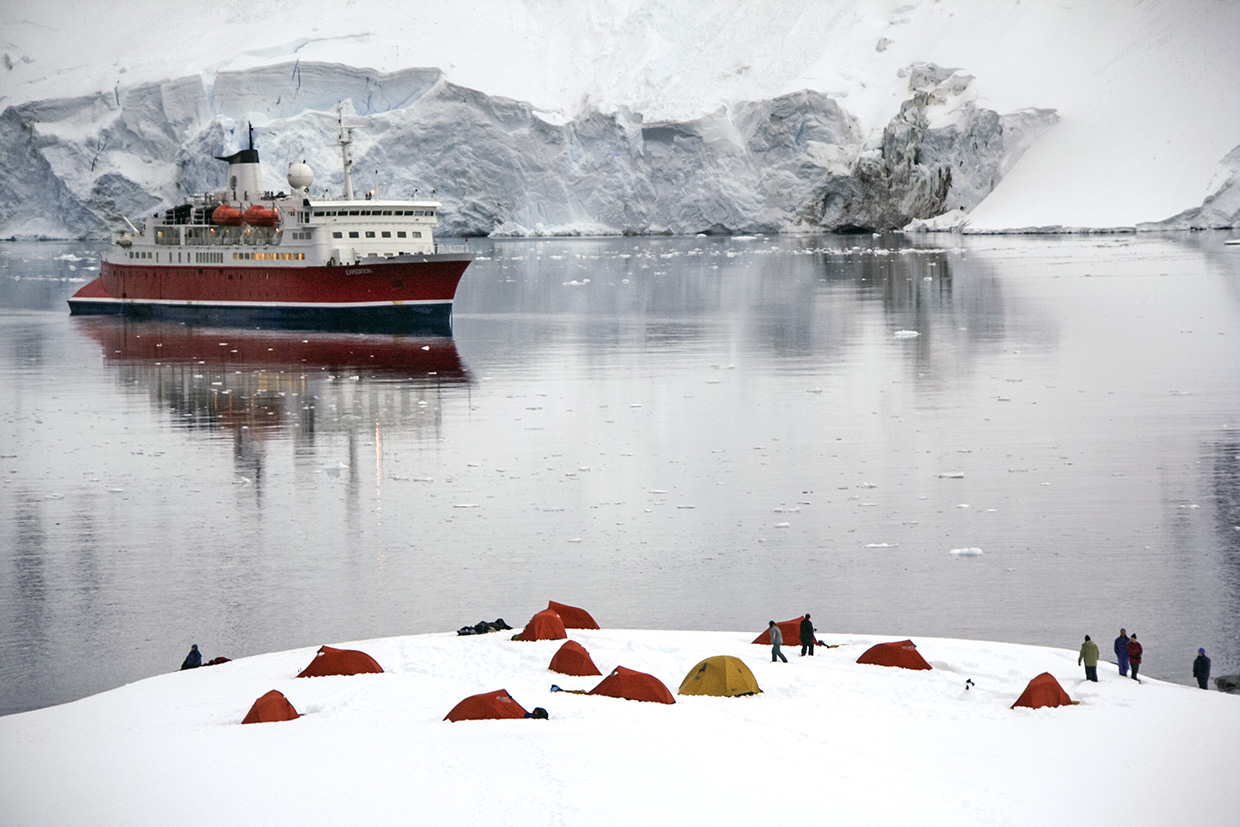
(1089, 654)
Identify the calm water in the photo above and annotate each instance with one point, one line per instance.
(691, 433)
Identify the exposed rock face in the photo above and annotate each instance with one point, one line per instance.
(795, 162)
(940, 153)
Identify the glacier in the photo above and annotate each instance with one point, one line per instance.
(639, 116)
(798, 162)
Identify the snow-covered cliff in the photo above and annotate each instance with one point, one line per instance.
(796, 162)
(638, 115)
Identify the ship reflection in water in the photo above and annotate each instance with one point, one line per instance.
(261, 385)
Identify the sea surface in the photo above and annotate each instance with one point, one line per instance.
(1024, 439)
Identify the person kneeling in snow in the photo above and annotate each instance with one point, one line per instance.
(194, 659)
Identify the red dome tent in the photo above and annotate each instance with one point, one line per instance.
(489, 705)
(331, 661)
(546, 625)
(573, 617)
(790, 629)
(635, 686)
(573, 659)
(1043, 690)
(902, 653)
(270, 708)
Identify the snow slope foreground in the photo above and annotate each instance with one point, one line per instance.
(827, 740)
(640, 115)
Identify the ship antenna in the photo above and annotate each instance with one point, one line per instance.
(346, 138)
(251, 128)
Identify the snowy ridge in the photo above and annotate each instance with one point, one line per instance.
(642, 115)
(870, 745)
(799, 162)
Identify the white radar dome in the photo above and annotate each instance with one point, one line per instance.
(300, 176)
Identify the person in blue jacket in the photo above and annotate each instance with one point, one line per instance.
(194, 659)
(1121, 652)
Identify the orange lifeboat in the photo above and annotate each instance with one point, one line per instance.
(226, 214)
(260, 216)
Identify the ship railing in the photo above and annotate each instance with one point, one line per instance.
(442, 249)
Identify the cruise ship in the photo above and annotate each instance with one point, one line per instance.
(246, 256)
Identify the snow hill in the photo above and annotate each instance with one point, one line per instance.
(827, 741)
(638, 115)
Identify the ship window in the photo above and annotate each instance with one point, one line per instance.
(387, 212)
(387, 234)
(400, 233)
(366, 212)
(354, 212)
(353, 234)
(370, 233)
(417, 234)
(337, 235)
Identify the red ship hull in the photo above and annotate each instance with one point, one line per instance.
(391, 294)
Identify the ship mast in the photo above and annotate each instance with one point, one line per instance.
(345, 139)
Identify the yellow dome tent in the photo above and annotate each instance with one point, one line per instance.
(721, 675)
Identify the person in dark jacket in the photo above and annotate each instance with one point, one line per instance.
(194, 659)
(1089, 654)
(807, 636)
(1121, 652)
(777, 640)
(1201, 669)
(1134, 656)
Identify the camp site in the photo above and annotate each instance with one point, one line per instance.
(702, 728)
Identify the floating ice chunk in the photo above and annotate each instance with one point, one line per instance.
(951, 475)
(783, 525)
(906, 334)
(971, 551)
(466, 505)
(881, 545)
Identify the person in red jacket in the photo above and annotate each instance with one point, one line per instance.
(1134, 655)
